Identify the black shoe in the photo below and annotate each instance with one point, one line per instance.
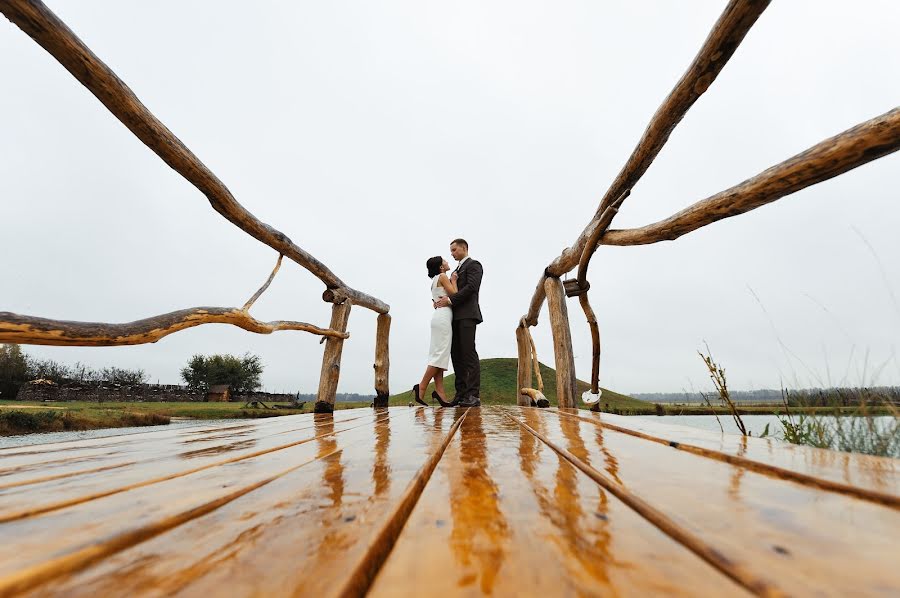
(470, 402)
(418, 398)
(437, 397)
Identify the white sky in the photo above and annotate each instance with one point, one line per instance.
(372, 133)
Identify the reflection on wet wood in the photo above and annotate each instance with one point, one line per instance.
(394, 502)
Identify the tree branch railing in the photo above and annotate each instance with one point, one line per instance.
(724, 38)
(52, 34)
(30, 330)
(859, 145)
(836, 155)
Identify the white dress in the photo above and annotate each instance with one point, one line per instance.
(441, 329)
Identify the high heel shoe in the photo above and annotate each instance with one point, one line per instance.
(437, 397)
(418, 398)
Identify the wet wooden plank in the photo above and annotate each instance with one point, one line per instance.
(797, 538)
(299, 534)
(504, 515)
(322, 505)
(69, 539)
(878, 476)
(130, 466)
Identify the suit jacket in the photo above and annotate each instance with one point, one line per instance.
(468, 283)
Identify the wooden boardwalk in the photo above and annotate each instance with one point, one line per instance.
(499, 501)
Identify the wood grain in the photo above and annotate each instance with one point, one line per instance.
(562, 343)
(382, 360)
(15, 328)
(523, 371)
(331, 359)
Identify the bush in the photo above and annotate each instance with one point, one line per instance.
(242, 374)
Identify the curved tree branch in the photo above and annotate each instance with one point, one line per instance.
(42, 25)
(15, 328)
(724, 38)
(854, 147)
(265, 286)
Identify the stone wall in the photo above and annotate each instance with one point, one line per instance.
(140, 392)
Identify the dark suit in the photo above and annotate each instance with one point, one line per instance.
(466, 317)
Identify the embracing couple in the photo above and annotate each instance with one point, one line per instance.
(456, 316)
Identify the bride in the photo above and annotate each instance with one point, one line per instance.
(441, 332)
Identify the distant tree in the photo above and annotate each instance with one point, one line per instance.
(123, 376)
(242, 374)
(50, 370)
(13, 370)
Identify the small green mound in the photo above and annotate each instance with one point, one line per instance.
(498, 387)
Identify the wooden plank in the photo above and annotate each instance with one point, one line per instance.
(66, 541)
(30, 497)
(864, 476)
(504, 516)
(796, 538)
(30, 467)
(300, 535)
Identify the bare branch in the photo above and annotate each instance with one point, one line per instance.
(263, 288)
(854, 147)
(42, 25)
(724, 38)
(15, 328)
(590, 247)
(537, 301)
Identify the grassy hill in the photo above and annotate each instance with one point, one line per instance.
(498, 387)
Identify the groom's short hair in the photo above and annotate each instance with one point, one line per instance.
(460, 242)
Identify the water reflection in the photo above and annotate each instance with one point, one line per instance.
(228, 434)
(333, 472)
(381, 468)
(585, 539)
(218, 449)
(480, 532)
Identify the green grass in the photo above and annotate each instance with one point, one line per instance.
(24, 417)
(498, 387)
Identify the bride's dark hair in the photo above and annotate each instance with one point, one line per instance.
(434, 265)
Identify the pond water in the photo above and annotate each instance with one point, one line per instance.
(755, 423)
(43, 438)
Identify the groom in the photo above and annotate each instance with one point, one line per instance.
(466, 317)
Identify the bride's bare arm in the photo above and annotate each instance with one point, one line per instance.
(448, 284)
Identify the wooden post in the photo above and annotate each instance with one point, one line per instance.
(382, 360)
(562, 343)
(331, 360)
(523, 379)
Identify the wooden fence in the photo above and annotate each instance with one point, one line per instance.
(854, 147)
(44, 27)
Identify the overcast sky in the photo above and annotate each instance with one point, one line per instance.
(373, 133)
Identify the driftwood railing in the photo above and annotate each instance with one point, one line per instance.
(44, 27)
(854, 147)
